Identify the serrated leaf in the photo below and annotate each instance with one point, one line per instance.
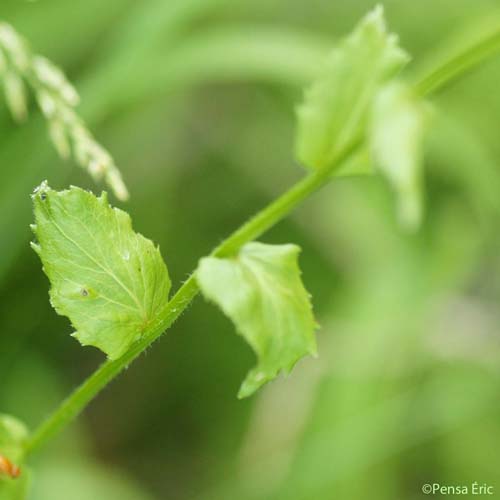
(336, 107)
(261, 291)
(399, 118)
(108, 280)
(13, 434)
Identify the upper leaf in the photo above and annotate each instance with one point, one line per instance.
(261, 291)
(336, 106)
(13, 434)
(108, 280)
(398, 126)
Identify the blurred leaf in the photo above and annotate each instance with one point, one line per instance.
(336, 106)
(397, 143)
(110, 281)
(12, 437)
(15, 489)
(261, 291)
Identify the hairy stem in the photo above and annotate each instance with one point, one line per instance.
(256, 226)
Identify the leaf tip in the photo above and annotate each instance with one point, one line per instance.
(376, 17)
(253, 381)
(242, 395)
(40, 192)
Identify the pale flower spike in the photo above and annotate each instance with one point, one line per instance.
(56, 98)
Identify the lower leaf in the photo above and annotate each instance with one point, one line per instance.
(14, 477)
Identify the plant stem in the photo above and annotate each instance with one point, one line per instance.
(82, 395)
(460, 64)
(256, 226)
(252, 229)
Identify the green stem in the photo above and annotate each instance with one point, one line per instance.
(256, 226)
(82, 395)
(460, 64)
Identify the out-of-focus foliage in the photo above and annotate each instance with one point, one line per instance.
(57, 99)
(14, 481)
(195, 100)
(337, 104)
(397, 136)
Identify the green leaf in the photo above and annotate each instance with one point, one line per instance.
(13, 435)
(108, 280)
(260, 290)
(336, 107)
(398, 127)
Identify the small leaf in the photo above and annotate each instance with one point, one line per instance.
(108, 280)
(336, 107)
(398, 127)
(260, 290)
(13, 434)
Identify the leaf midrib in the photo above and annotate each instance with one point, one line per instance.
(140, 309)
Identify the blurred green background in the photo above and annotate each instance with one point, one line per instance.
(195, 99)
